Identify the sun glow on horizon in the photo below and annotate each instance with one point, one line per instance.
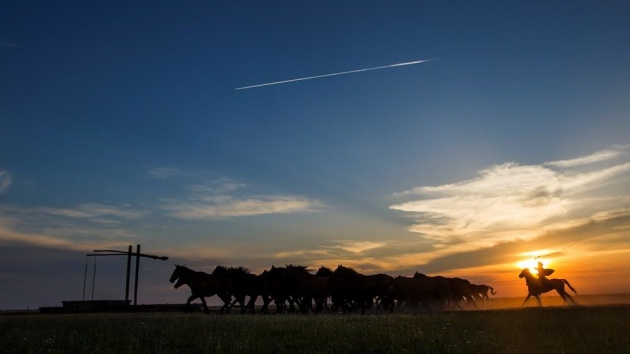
(532, 263)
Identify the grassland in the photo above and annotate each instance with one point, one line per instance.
(584, 329)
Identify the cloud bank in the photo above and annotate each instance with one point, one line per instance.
(509, 201)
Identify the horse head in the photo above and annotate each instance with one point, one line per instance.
(418, 275)
(177, 274)
(341, 270)
(525, 273)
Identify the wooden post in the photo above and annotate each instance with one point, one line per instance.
(129, 252)
(85, 276)
(135, 290)
(93, 279)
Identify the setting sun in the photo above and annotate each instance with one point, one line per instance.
(532, 264)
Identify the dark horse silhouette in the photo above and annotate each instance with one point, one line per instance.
(480, 291)
(350, 289)
(535, 287)
(201, 285)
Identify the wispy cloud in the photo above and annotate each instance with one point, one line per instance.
(43, 240)
(215, 188)
(70, 228)
(511, 201)
(55, 236)
(5, 181)
(227, 207)
(359, 247)
(95, 212)
(585, 160)
(217, 200)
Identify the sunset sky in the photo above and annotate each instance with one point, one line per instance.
(120, 125)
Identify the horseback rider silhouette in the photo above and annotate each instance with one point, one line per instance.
(543, 273)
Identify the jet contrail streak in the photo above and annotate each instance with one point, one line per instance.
(335, 74)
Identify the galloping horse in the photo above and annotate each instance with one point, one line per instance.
(201, 284)
(310, 287)
(480, 291)
(350, 289)
(535, 287)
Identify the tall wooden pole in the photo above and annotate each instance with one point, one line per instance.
(135, 290)
(85, 276)
(93, 279)
(129, 253)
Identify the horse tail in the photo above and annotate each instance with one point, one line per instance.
(492, 290)
(570, 287)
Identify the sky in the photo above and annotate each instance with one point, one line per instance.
(120, 124)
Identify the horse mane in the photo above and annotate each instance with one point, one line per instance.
(238, 271)
(298, 268)
(345, 270)
(220, 270)
(324, 271)
(183, 267)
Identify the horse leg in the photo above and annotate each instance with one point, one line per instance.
(205, 306)
(226, 303)
(571, 299)
(242, 303)
(279, 302)
(190, 299)
(265, 307)
(471, 300)
(251, 306)
(526, 298)
(292, 302)
(565, 296)
(538, 298)
(231, 304)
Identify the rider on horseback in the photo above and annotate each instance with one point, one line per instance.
(543, 273)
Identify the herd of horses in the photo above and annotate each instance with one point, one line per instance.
(294, 288)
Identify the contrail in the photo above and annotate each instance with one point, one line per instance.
(335, 74)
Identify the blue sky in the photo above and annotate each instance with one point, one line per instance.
(120, 124)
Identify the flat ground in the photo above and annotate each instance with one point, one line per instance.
(553, 329)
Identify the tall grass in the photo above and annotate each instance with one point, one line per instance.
(531, 330)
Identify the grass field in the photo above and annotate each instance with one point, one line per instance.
(584, 329)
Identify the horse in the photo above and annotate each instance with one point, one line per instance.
(480, 292)
(264, 287)
(436, 291)
(284, 286)
(310, 287)
(201, 285)
(350, 289)
(239, 283)
(407, 292)
(535, 287)
(461, 289)
(325, 273)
